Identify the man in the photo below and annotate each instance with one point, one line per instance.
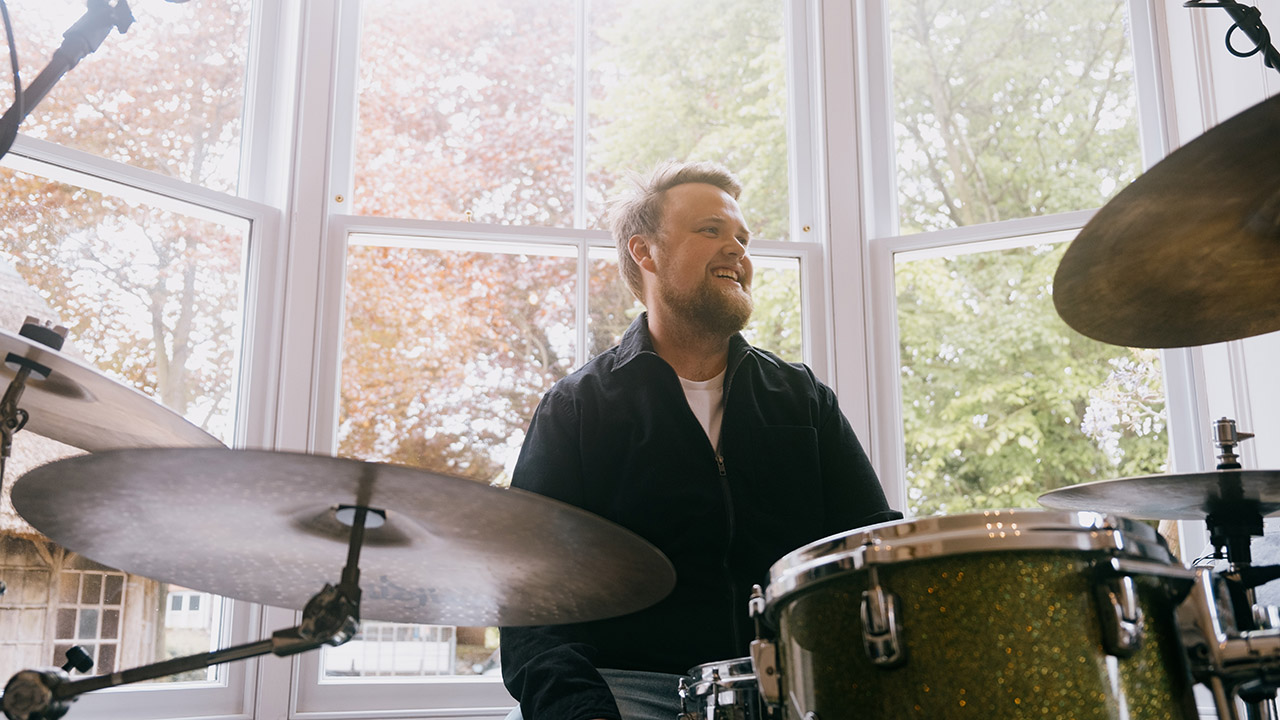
(722, 455)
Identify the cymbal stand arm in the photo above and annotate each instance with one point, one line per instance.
(331, 617)
(78, 41)
(12, 417)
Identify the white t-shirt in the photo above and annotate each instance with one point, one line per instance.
(706, 399)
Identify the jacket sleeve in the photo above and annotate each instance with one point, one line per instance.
(853, 494)
(549, 669)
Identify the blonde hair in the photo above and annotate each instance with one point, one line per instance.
(639, 209)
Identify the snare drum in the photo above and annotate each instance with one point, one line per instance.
(1007, 614)
(720, 691)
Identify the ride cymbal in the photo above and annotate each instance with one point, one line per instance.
(262, 526)
(1189, 253)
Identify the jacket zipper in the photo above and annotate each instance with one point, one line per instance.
(727, 491)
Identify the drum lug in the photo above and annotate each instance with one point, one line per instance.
(881, 625)
(1122, 618)
(764, 660)
(764, 654)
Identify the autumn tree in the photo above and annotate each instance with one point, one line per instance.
(150, 295)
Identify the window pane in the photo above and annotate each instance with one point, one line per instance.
(151, 290)
(165, 96)
(482, 122)
(776, 323)
(690, 80)
(447, 349)
(466, 111)
(1001, 400)
(1010, 109)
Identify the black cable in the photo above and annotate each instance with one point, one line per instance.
(1248, 20)
(13, 58)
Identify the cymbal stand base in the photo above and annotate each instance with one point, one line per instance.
(331, 617)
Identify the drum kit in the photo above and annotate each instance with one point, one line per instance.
(1077, 611)
(1081, 610)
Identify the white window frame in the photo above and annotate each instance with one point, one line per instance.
(864, 85)
(314, 308)
(232, 694)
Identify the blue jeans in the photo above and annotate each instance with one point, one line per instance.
(640, 695)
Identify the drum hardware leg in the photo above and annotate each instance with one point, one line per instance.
(331, 617)
(1122, 618)
(1223, 700)
(683, 689)
(881, 625)
(764, 656)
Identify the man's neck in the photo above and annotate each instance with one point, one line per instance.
(693, 354)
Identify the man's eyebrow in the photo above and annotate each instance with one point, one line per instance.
(722, 220)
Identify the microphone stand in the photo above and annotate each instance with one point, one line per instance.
(1249, 21)
(78, 41)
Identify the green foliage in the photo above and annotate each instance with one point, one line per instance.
(695, 81)
(1006, 110)
(1010, 109)
(996, 388)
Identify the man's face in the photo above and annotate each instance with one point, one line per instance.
(703, 272)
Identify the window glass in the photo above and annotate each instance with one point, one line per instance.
(702, 80)
(466, 111)
(1010, 109)
(1007, 110)
(448, 346)
(483, 123)
(167, 95)
(1001, 400)
(151, 291)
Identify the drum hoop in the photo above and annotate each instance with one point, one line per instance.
(700, 682)
(944, 536)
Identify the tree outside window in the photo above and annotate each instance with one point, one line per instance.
(1007, 110)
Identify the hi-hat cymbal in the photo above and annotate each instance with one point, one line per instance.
(1189, 253)
(1186, 496)
(81, 407)
(260, 526)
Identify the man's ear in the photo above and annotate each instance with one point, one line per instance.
(641, 249)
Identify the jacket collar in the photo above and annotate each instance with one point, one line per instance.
(637, 341)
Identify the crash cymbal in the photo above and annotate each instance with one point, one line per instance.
(1186, 496)
(1189, 253)
(79, 406)
(260, 526)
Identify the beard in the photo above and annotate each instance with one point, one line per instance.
(710, 309)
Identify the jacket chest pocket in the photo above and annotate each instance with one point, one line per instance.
(781, 471)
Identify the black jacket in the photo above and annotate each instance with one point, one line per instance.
(618, 438)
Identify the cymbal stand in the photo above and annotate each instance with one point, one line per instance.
(1233, 521)
(82, 38)
(331, 617)
(12, 417)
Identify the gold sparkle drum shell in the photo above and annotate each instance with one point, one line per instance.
(1000, 614)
